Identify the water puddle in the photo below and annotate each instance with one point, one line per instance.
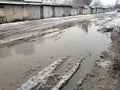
(81, 40)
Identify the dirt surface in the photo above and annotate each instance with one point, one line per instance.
(28, 47)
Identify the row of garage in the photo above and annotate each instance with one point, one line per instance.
(10, 12)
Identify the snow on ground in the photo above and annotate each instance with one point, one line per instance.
(41, 77)
(13, 24)
(111, 22)
(23, 22)
(25, 36)
(36, 28)
(66, 77)
(105, 64)
(7, 40)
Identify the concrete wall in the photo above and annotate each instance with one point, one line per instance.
(9, 13)
(47, 11)
(107, 9)
(18, 12)
(25, 14)
(86, 10)
(33, 12)
(59, 11)
(2, 15)
(100, 10)
(74, 11)
(13, 12)
(78, 11)
(67, 11)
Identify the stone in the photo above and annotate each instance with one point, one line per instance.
(33, 69)
(39, 66)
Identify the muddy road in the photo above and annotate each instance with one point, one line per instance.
(27, 48)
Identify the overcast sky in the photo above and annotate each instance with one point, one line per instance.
(105, 2)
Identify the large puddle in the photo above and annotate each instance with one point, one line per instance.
(19, 62)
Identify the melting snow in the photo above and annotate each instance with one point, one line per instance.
(42, 76)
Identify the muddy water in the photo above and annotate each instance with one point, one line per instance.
(19, 62)
(96, 43)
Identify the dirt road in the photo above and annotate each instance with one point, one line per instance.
(27, 48)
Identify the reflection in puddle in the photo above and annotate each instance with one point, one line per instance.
(85, 26)
(25, 49)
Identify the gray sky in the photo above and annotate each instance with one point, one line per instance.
(105, 2)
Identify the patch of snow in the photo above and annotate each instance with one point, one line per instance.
(8, 40)
(111, 24)
(105, 64)
(41, 77)
(66, 77)
(80, 82)
(26, 36)
(12, 24)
